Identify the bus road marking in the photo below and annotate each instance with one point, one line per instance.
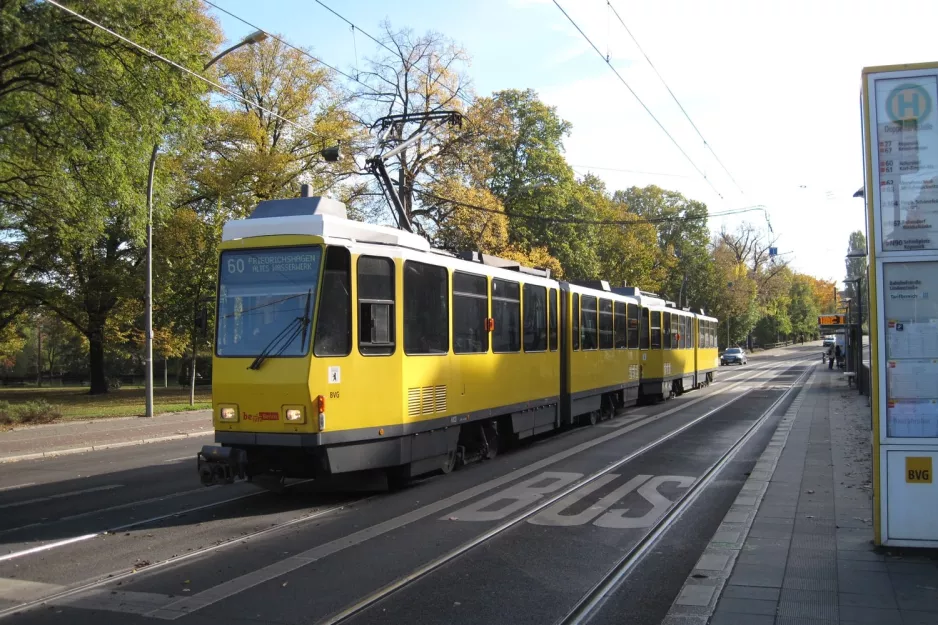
(600, 513)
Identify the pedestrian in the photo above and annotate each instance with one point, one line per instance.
(830, 357)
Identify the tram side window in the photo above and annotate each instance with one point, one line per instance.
(334, 327)
(606, 338)
(470, 310)
(535, 318)
(576, 321)
(656, 329)
(684, 333)
(668, 335)
(552, 320)
(588, 328)
(713, 333)
(426, 309)
(621, 326)
(634, 324)
(375, 305)
(506, 310)
(643, 329)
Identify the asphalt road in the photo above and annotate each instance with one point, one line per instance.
(129, 535)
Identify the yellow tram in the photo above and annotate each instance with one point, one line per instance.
(343, 346)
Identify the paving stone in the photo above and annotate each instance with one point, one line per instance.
(809, 583)
(731, 618)
(696, 595)
(873, 616)
(712, 562)
(870, 556)
(751, 592)
(885, 601)
(749, 575)
(861, 565)
(747, 606)
(914, 617)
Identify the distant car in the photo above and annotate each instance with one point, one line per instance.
(828, 341)
(733, 355)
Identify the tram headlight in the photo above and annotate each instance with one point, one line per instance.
(228, 413)
(294, 415)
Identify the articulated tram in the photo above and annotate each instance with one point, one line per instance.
(343, 346)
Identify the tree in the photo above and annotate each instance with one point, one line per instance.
(79, 112)
(682, 233)
(423, 74)
(250, 154)
(188, 246)
(531, 177)
(803, 309)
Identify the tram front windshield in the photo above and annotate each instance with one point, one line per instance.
(266, 301)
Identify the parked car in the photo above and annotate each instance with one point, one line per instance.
(733, 355)
(828, 340)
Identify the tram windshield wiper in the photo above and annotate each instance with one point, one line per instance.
(285, 338)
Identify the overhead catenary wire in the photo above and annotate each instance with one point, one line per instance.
(589, 222)
(288, 44)
(631, 171)
(674, 97)
(640, 101)
(192, 73)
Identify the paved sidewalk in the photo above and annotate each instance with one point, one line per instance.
(56, 439)
(796, 546)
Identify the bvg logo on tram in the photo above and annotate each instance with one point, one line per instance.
(908, 102)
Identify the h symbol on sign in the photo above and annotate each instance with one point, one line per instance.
(906, 101)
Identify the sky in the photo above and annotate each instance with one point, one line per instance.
(773, 88)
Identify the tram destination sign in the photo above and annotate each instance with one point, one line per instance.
(832, 320)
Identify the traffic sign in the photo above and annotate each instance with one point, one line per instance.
(832, 320)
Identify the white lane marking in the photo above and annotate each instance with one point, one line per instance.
(3, 488)
(47, 547)
(27, 502)
(76, 539)
(189, 457)
(188, 605)
(24, 590)
(90, 587)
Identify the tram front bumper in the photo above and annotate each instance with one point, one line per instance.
(221, 465)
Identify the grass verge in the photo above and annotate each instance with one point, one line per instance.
(46, 405)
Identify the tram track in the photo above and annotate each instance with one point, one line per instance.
(593, 601)
(610, 581)
(735, 382)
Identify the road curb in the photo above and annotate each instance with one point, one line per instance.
(80, 450)
(697, 600)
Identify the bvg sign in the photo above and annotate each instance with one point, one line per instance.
(918, 470)
(908, 102)
(832, 320)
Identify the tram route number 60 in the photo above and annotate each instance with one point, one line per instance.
(601, 513)
(235, 265)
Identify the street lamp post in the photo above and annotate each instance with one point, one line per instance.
(255, 37)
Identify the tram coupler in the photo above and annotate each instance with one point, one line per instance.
(221, 465)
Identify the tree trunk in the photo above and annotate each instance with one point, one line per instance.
(96, 361)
